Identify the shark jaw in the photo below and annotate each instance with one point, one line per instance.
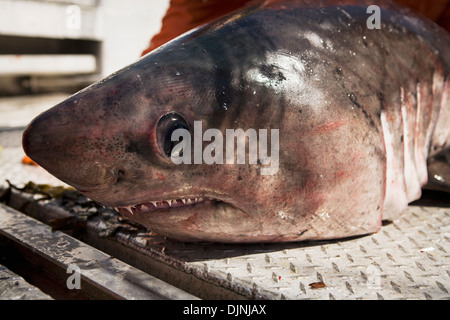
(151, 206)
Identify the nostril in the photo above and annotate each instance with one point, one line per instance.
(119, 174)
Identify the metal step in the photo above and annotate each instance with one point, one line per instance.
(14, 287)
(78, 265)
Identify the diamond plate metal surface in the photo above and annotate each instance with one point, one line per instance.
(408, 259)
(14, 287)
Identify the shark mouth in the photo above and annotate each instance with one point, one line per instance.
(158, 205)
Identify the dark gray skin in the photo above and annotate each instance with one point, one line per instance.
(359, 113)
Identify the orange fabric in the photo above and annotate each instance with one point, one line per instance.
(431, 9)
(184, 15)
(27, 160)
(444, 18)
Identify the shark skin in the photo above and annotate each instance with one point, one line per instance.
(361, 113)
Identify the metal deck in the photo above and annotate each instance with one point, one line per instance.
(408, 259)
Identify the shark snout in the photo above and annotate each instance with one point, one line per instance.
(57, 147)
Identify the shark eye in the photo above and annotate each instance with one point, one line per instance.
(166, 125)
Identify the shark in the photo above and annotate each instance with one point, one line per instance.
(355, 113)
